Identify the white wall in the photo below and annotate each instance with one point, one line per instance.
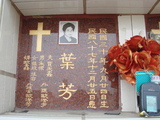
(130, 25)
(9, 31)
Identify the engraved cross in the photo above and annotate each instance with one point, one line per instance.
(39, 32)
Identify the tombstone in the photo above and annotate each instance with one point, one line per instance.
(67, 76)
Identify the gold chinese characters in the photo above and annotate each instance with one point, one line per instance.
(96, 42)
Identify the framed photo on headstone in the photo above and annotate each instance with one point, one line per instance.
(68, 32)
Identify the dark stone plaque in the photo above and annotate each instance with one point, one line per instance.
(67, 76)
(153, 27)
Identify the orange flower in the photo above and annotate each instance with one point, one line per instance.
(157, 58)
(145, 61)
(151, 45)
(124, 61)
(130, 78)
(114, 51)
(137, 54)
(142, 59)
(156, 63)
(135, 43)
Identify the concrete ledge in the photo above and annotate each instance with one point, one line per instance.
(70, 115)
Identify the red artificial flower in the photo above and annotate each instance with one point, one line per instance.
(151, 45)
(157, 58)
(135, 43)
(156, 63)
(114, 51)
(130, 78)
(137, 54)
(142, 59)
(124, 61)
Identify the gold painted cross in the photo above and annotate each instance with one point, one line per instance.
(156, 31)
(39, 32)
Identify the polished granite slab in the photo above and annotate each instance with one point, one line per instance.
(54, 76)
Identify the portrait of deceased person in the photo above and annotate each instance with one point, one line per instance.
(68, 32)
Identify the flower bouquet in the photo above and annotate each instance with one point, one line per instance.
(136, 54)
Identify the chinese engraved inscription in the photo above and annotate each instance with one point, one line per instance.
(67, 61)
(94, 44)
(66, 76)
(66, 89)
